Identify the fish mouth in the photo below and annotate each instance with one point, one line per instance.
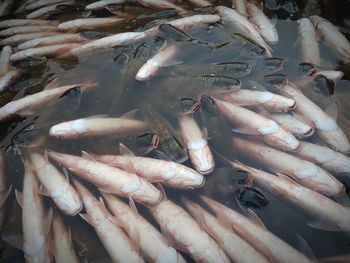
(207, 172)
(309, 133)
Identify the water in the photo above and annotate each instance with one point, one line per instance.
(118, 93)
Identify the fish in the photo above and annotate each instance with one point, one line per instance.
(104, 43)
(52, 40)
(9, 77)
(27, 29)
(268, 100)
(30, 85)
(185, 232)
(113, 238)
(236, 247)
(29, 104)
(249, 122)
(44, 51)
(170, 143)
(163, 58)
(319, 206)
(265, 27)
(30, 64)
(62, 240)
(325, 126)
(168, 173)
(5, 65)
(99, 5)
(36, 220)
(302, 171)
(265, 242)
(47, 10)
(161, 4)
(196, 142)
(251, 197)
(141, 144)
(20, 38)
(56, 185)
(330, 160)
(90, 23)
(97, 126)
(26, 22)
(41, 3)
(4, 189)
(240, 7)
(332, 37)
(214, 85)
(110, 179)
(310, 49)
(5, 7)
(246, 28)
(150, 241)
(200, 3)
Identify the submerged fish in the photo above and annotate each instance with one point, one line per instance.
(90, 23)
(27, 29)
(26, 22)
(310, 50)
(5, 65)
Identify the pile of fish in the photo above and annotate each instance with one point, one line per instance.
(268, 126)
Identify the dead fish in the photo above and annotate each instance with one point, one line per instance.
(90, 23)
(236, 247)
(26, 22)
(276, 80)
(199, 3)
(310, 49)
(265, 27)
(30, 137)
(28, 105)
(215, 85)
(99, 5)
(47, 10)
(4, 189)
(29, 85)
(319, 206)
(141, 144)
(41, 3)
(20, 38)
(56, 185)
(98, 126)
(196, 142)
(170, 143)
(169, 173)
(5, 65)
(270, 101)
(113, 238)
(269, 245)
(326, 127)
(104, 43)
(5, 7)
(7, 79)
(27, 29)
(29, 64)
(36, 220)
(245, 27)
(52, 40)
(151, 242)
(62, 240)
(272, 65)
(249, 122)
(332, 37)
(163, 58)
(251, 197)
(302, 171)
(110, 179)
(173, 33)
(161, 4)
(329, 159)
(180, 227)
(240, 7)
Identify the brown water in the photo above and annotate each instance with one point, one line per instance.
(118, 93)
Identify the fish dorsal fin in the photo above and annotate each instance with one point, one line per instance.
(132, 206)
(324, 226)
(47, 222)
(130, 114)
(255, 218)
(287, 178)
(332, 109)
(102, 203)
(3, 200)
(125, 150)
(88, 156)
(19, 197)
(305, 248)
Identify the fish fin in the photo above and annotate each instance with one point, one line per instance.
(161, 188)
(130, 114)
(255, 218)
(65, 173)
(42, 191)
(332, 109)
(287, 178)
(132, 206)
(52, 84)
(47, 222)
(88, 156)
(171, 63)
(324, 226)
(125, 150)
(304, 247)
(19, 198)
(5, 197)
(87, 218)
(101, 201)
(97, 116)
(245, 131)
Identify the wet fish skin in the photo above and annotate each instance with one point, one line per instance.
(5, 65)
(197, 145)
(63, 249)
(20, 38)
(41, 3)
(8, 78)
(27, 29)
(240, 6)
(46, 10)
(95, 126)
(309, 45)
(199, 3)
(161, 4)
(247, 121)
(55, 183)
(265, 242)
(321, 207)
(302, 171)
(185, 231)
(110, 179)
(113, 238)
(236, 248)
(99, 5)
(151, 242)
(25, 22)
(90, 23)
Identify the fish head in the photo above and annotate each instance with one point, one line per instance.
(276, 81)
(219, 84)
(307, 69)
(201, 156)
(234, 68)
(208, 105)
(188, 105)
(274, 64)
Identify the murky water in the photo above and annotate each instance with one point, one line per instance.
(118, 93)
